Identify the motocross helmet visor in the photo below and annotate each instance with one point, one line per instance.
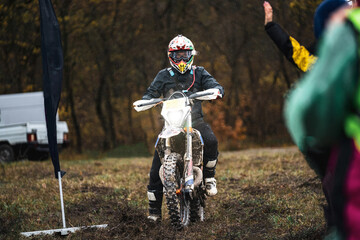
(177, 56)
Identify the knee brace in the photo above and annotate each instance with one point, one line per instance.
(210, 168)
(211, 163)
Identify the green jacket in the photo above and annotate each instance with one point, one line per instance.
(316, 110)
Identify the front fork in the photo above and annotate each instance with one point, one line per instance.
(188, 169)
(188, 172)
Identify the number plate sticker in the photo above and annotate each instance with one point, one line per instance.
(174, 104)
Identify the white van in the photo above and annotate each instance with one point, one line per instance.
(23, 128)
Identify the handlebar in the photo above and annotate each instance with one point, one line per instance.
(142, 105)
(195, 95)
(155, 101)
(158, 100)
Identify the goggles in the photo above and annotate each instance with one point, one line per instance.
(177, 56)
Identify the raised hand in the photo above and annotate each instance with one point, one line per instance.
(268, 12)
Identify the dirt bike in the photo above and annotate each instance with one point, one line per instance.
(180, 148)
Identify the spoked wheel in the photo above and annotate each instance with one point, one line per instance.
(177, 203)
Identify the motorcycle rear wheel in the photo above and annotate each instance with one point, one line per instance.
(177, 204)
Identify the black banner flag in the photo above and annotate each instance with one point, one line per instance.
(52, 60)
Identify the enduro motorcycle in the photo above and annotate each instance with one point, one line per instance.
(180, 148)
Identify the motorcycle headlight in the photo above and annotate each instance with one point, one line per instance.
(175, 118)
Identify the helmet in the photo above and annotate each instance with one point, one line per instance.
(181, 53)
(323, 13)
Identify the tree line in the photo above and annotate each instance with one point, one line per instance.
(113, 49)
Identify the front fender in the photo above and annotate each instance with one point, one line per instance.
(170, 132)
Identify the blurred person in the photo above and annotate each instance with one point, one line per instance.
(304, 59)
(323, 111)
(182, 75)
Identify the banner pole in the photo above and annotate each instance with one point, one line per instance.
(61, 200)
(63, 231)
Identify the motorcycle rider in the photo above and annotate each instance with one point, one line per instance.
(183, 76)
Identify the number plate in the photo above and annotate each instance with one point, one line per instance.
(174, 104)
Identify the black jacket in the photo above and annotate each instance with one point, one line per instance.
(303, 58)
(170, 80)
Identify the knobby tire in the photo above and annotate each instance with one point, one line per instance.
(177, 207)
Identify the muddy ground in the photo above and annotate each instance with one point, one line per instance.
(263, 194)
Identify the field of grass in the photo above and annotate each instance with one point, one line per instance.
(263, 194)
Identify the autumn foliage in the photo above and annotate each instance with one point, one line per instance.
(113, 50)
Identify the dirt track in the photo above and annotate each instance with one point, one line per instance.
(263, 194)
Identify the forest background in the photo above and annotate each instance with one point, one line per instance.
(113, 49)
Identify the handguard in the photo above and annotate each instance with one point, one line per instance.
(145, 104)
(209, 94)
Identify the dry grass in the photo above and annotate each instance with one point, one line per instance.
(263, 194)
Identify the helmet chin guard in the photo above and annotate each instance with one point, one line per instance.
(181, 53)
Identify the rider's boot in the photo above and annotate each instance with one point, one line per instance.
(210, 181)
(155, 200)
(210, 184)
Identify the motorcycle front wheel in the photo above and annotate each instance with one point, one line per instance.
(177, 203)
